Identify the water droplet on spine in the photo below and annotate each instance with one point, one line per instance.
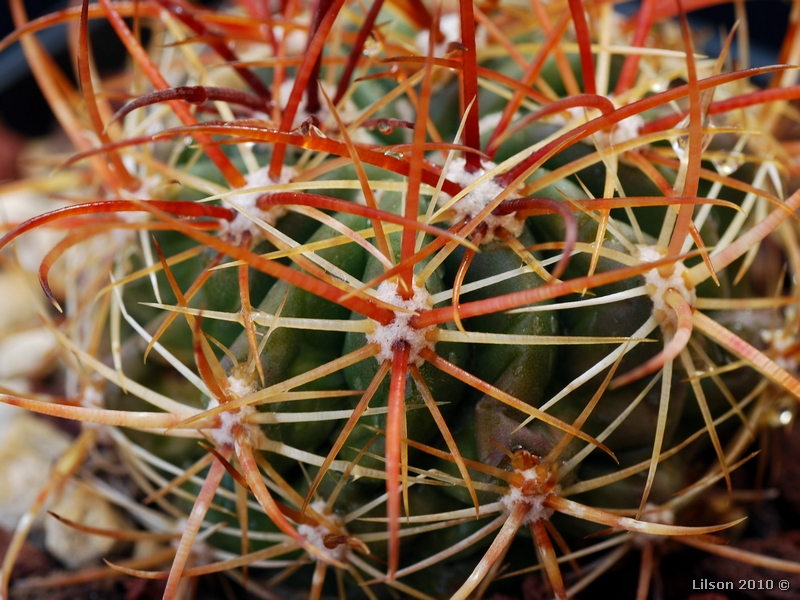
(729, 164)
(681, 143)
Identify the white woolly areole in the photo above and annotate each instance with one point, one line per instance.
(476, 200)
(296, 40)
(537, 511)
(146, 191)
(315, 534)
(653, 514)
(230, 420)
(93, 397)
(658, 286)
(302, 114)
(781, 341)
(347, 111)
(576, 113)
(450, 27)
(399, 329)
(625, 130)
(238, 387)
(491, 121)
(246, 202)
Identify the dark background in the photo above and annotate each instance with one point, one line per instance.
(25, 111)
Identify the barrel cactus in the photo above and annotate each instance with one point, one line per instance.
(385, 290)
